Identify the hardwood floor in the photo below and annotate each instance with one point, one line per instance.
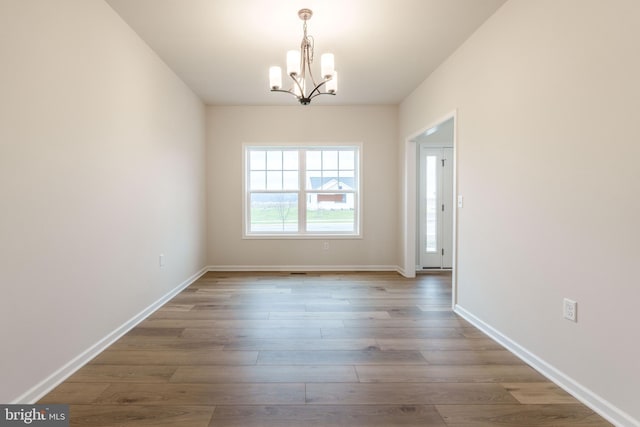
(291, 350)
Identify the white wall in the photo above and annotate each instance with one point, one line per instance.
(548, 97)
(101, 170)
(230, 127)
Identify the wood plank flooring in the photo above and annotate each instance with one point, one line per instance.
(331, 349)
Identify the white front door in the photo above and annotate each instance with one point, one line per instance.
(436, 207)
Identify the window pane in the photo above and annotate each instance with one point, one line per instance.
(314, 160)
(274, 160)
(331, 212)
(273, 212)
(431, 211)
(329, 160)
(348, 180)
(330, 180)
(347, 160)
(257, 180)
(290, 180)
(290, 160)
(274, 180)
(314, 180)
(279, 191)
(257, 160)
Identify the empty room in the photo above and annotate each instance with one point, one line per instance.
(319, 213)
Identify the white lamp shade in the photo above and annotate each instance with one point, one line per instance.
(332, 85)
(293, 62)
(275, 77)
(327, 62)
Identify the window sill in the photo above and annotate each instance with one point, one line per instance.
(301, 236)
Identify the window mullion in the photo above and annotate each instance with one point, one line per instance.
(302, 195)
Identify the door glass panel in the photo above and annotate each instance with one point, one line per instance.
(431, 241)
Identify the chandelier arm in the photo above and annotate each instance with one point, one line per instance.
(321, 93)
(282, 90)
(313, 80)
(295, 80)
(317, 89)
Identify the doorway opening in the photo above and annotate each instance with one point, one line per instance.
(431, 214)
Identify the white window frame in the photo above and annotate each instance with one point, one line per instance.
(302, 192)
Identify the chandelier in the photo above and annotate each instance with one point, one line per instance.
(304, 86)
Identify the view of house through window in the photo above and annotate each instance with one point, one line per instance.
(302, 190)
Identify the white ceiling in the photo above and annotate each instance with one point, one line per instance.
(223, 49)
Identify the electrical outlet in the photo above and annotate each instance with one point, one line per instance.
(325, 246)
(570, 310)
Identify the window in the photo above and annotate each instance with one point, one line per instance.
(302, 191)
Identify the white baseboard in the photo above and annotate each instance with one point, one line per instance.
(296, 268)
(603, 407)
(401, 271)
(49, 383)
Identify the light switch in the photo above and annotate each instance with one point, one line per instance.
(460, 201)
